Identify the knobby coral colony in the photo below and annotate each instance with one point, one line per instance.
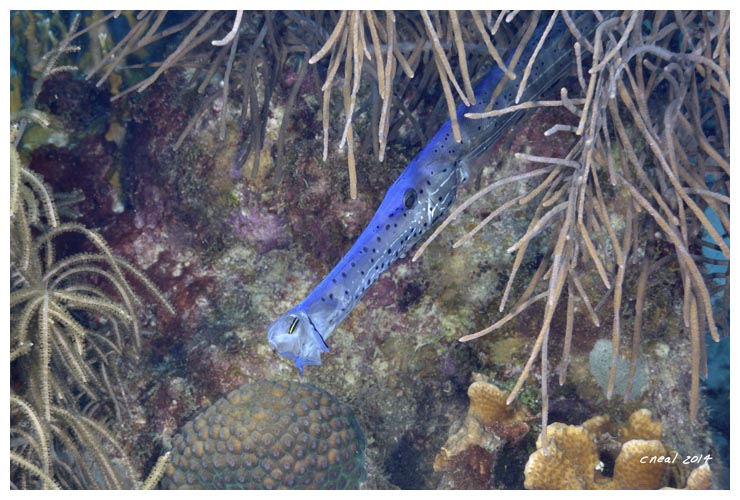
(649, 161)
(270, 435)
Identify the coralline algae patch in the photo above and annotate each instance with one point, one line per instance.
(270, 435)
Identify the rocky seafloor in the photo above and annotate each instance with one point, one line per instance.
(232, 253)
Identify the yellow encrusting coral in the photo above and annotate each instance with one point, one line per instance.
(700, 478)
(641, 426)
(469, 454)
(636, 472)
(572, 460)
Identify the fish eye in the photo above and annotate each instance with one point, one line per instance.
(409, 198)
(291, 329)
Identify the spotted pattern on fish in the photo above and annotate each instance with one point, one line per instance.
(415, 202)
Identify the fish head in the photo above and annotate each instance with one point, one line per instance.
(429, 185)
(294, 336)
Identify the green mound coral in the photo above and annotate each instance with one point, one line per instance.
(270, 434)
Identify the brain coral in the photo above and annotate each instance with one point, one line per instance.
(269, 435)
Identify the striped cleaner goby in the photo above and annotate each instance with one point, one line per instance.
(420, 197)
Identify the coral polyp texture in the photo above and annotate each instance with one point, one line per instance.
(468, 457)
(270, 435)
(572, 459)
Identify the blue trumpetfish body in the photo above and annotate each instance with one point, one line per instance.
(420, 197)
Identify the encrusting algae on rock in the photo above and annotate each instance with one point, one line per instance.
(267, 435)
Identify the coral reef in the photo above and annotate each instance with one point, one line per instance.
(270, 435)
(615, 208)
(469, 456)
(166, 174)
(264, 51)
(75, 324)
(572, 457)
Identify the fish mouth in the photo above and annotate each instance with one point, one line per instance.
(295, 336)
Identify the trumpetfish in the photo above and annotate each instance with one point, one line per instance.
(420, 197)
